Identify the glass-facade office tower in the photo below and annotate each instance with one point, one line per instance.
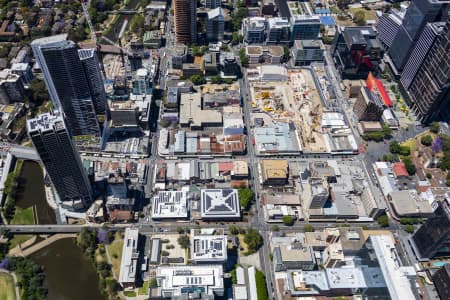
(419, 13)
(93, 74)
(62, 162)
(67, 83)
(185, 16)
(429, 92)
(433, 237)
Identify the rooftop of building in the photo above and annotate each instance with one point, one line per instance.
(278, 137)
(208, 245)
(50, 39)
(191, 111)
(397, 278)
(178, 278)
(216, 13)
(255, 23)
(170, 204)
(304, 44)
(45, 122)
(296, 251)
(316, 282)
(259, 50)
(407, 202)
(275, 168)
(129, 256)
(220, 203)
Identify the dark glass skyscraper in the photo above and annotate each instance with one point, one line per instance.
(419, 13)
(61, 161)
(68, 83)
(433, 237)
(93, 74)
(429, 92)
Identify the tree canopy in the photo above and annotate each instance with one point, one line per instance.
(245, 198)
(253, 240)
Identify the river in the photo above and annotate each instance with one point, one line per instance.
(31, 192)
(69, 275)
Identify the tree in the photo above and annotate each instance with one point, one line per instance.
(183, 241)
(394, 147)
(216, 79)
(426, 140)
(410, 167)
(253, 240)
(234, 230)
(429, 176)
(308, 228)
(434, 127)
(359, 18)
(387, 131)
(243, 57)
(197, 79)
(245, 198)
(377, 136)
(286, 53)
(234, 38)
(153, 283)
(383, 221)
(388, 157)
(288, 220)
(261, 288)
(275, 228)
(180, 230)
(38, 91)
(409, 228)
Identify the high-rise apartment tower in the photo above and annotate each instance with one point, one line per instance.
(61, 160)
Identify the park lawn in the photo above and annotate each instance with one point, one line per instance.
(23, 216)
(411, 144)
(369, 14)
(115, 251)
(130, 293)
(243, 244)
(144, 289)
(7, 291)
(18, 239)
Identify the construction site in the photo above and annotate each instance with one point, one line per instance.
(294, 101)
(309, 110)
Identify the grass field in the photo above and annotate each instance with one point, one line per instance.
(18, 239)
(144, 289)
(242, 243)
(369, 14)
(7, 287)
(115, 251)
(23, 216)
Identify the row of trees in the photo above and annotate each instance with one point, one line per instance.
(91, 240)
(378, 136)
(10, 188)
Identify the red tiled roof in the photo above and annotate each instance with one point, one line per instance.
(399, 169)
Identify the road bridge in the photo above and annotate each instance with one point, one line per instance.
(19, 151)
